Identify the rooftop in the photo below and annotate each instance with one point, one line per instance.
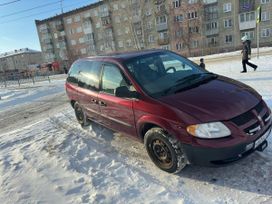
(59, 16)
(18, 52)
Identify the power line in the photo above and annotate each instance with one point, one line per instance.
(7, 3)
(47, 11)
(30, 9)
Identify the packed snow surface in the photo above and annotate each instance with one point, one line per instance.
(46, 157)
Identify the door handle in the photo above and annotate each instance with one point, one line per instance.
(94, 101)
(101, 103)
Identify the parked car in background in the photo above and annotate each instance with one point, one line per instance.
(182, 113)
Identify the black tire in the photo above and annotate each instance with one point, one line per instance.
(81, 115)
(164, 150)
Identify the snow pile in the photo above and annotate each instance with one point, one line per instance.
(14, 96)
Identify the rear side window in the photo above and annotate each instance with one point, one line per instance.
(89, 74)
(73, 73)
(112, 79)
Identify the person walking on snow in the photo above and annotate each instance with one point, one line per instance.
(246, 52)
(202, 64)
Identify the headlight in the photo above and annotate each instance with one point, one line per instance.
(209, 130)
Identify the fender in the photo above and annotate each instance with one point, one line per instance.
(160, 122)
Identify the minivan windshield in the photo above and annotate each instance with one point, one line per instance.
(164, 73)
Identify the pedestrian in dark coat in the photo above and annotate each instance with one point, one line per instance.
(202, 65)
(246, 53)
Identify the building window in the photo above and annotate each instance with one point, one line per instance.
(121, 44)
(227, 7)
(73, 42)
(148, 12)
(79, 29)
(265, 16)
(211, 41)
(77, 19)
(129, 43)
(83, 51)
(265, 1)
(161, 19)
(266, 32)
(115, 7)
(227, 23)
(176, 3)
(81, 40)
(249, 34)
(193, 29)
(71, 31)
(149, 25)
(245, 17)
(192, 1)
(178, 33)
(192, 15)
(179, 46)
(228, 39)
(211, 26)
(151, 38)
(178, 18)
(194, 44)
(69, 20)
(98, 25)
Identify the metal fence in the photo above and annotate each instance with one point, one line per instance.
(17, 79)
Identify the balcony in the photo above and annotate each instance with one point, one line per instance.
(60, 27)
(247, 25)
(106, 22)
(162, 27)
(62, 39)
(246, 5)
(47, 41)
(45, 31)
(212, 32)
(163, 41)
(210, 1)
(89, 39)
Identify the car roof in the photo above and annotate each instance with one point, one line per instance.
(126, 55)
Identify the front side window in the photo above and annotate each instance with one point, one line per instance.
(164, 73)
(112, 79)
(88, 76)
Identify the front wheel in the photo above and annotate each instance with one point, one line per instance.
(81, 115)
(164, 151)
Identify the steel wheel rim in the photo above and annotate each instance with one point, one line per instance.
(161, 153)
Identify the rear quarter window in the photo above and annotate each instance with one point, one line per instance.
(73, 73)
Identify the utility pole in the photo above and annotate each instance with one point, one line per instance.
(61, 6)
(259, 16)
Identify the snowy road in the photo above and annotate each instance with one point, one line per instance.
(46, 157)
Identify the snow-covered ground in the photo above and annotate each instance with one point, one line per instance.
(46, 157)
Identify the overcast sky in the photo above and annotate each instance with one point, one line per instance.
(17, 26)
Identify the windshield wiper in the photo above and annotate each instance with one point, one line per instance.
(191, 81)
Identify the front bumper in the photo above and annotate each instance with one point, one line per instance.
(219, 156)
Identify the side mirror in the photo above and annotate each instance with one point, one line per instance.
(124, 92)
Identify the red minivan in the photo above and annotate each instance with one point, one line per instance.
(182, 113)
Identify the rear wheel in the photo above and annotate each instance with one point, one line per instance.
(80, 115)
(164, 150)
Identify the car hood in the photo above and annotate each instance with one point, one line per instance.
(219, 99)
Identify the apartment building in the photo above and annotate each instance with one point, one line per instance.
(189, 27)
(19, 60)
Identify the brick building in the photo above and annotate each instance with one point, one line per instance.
(19, 60)
(189, 27)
